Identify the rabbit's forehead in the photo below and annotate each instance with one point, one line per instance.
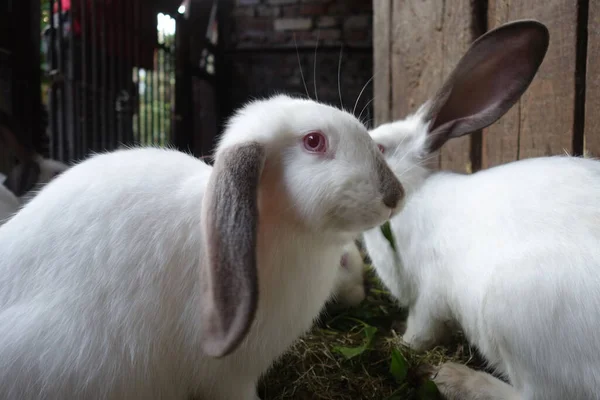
(394, 130)
(280, 119)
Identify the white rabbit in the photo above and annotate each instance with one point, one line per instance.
(148, 274)
(350, 283)
(33, 171)
(510, 254)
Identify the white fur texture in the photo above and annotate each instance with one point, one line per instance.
(99, 273)
(350, 285)
(511, 254)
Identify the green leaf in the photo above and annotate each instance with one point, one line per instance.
(428, 391)
(370, 332)
(386, 229)
(398, 366)
(351, 352)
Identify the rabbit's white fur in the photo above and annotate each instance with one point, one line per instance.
(100, 289)
(350, 285)
(510, 254)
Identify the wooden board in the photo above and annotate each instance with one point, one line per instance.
(458, 34)
(382, 88)
(592, 90)
(541, 123)
(427, 42)
(417, 55)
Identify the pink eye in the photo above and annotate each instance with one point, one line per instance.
(315, 142)
(381, 148)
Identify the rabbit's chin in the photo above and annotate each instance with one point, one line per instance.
(360, 220)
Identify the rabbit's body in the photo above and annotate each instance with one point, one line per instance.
(118, 294)
(505, 253)
(111, 301)
(509, 254)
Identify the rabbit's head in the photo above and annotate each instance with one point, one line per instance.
(321, 167)
(290, 162)
(487, 81)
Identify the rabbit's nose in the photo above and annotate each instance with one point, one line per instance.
(389, 186)
(391, 199)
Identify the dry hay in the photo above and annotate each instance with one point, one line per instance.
(315, 367)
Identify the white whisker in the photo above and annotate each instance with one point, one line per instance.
(339, 74)
(365, 107)
(361, 92)
(315, 65)
(300, 65)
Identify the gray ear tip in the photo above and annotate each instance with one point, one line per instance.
(216, 348)
(218, 343)
(535, 32)
(542, 31)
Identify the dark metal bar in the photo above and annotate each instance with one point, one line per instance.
(115, 62)
(124, 58)
(74, 92)
(104, 75)
(94, 88)
(61, 71)
(52, 94)
(84, 83)
(153, 97)
(172, 78)
(130, 81)
(167, 96)
(136, 43)
(147, 126)
(159, 87)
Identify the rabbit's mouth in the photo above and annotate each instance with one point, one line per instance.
(353, 220)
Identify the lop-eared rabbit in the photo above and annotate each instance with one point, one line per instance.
(147, 274)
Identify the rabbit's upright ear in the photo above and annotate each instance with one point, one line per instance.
(22, 178)
(230, 220)
(487, 81)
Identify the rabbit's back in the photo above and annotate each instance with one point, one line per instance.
(516, 251)
(523, 207)
(72, 280)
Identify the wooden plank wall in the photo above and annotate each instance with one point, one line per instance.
(418, 43)
(592, 83)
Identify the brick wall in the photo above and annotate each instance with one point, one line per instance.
(267, 41)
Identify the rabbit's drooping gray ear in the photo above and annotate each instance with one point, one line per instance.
(23, 178)
(487, 81)
(230, 222)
